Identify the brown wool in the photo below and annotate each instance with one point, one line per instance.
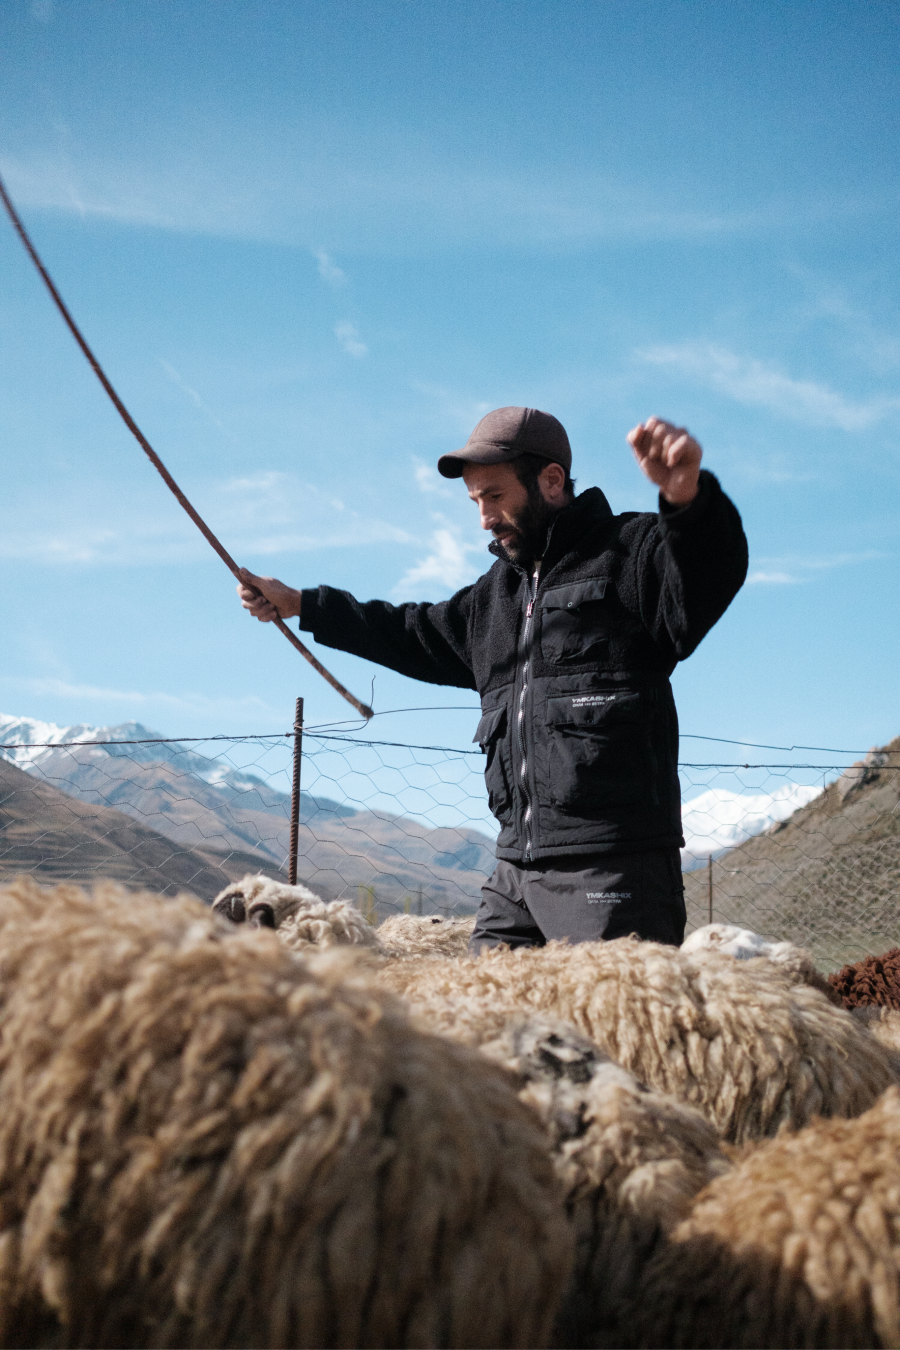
(738, 1040)
(874, 980)
(425, 935)
(631, 1162)
(208, 1140)
(799, 1245)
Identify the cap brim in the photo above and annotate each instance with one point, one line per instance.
(452, 465)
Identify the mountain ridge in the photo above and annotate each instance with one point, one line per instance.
(55, 837)
(827, 877)
(199, 803)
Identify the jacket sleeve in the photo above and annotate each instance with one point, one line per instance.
(690, 567)
(426, 642)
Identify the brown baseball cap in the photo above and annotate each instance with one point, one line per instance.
(507, 433)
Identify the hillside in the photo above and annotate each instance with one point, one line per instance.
(827, 877)
(203, 804)
(58, 838)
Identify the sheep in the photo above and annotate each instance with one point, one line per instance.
(208, 1140)
(741, 943)
(301, 919)
(631, 1162)
(884, 1025)
(873, 980)
(749, 1049)
(799, 1245)
(745, 945)
(429, 935)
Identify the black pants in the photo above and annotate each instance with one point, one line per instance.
(583, 899)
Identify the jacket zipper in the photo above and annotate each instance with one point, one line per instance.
(527, 795)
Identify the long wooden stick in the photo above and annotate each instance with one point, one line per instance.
(155, 460)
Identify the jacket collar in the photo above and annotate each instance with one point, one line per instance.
(589, 510)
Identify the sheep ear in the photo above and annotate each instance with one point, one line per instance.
(262, 915)
(231, 907)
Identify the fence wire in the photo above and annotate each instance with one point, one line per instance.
(808, 852)
(818, 866)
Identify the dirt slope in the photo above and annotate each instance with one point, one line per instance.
(827, 878)
(59, 838)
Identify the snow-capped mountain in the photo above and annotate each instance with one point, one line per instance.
(36, 746)
(717, 820)
(199, 802)
(19, 734)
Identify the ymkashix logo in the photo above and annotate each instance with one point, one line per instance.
(593, 700)
(594, 897)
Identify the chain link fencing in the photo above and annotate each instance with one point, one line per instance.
(808, 852)
(814, 856)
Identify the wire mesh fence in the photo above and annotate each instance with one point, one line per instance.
(820, 867)
(392, 826)
(808, 852)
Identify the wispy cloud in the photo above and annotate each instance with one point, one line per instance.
(456, 413)
(861, 336)
(386, 192)
(447, 564)
(263, 514)
(357, 534)
(753, 382)
(792, 570)
(190, 702)
(80, 543)
(192, 395)
(770, 579)
(428, 480)
(347, 335)
(328, 270)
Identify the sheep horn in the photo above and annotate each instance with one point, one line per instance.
(231, 907)
(262, 915)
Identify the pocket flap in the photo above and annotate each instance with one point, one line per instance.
(491, 725)
(575, 594)
(593, 709)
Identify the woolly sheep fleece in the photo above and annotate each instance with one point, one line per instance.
(300, 917)
(736, 1039)
(631, 1162)
(874, 980)
(426, 935)
(745, 945)
(883, 1023)
(798, 1246)
(206, 1140)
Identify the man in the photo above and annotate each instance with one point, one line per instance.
(570, 639)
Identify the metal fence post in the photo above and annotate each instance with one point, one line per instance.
(295, 793)
(710, 880)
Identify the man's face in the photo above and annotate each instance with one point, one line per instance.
(516, 518)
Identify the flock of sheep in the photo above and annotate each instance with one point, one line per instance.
(270, 1124)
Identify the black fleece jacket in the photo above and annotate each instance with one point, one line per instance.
(579, 724)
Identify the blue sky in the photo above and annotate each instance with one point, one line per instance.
(313, 243)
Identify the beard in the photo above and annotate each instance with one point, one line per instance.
(529, 530)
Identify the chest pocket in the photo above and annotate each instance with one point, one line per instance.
(599, 751)
(574, 621)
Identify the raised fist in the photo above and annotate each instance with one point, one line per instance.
(670, 457)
